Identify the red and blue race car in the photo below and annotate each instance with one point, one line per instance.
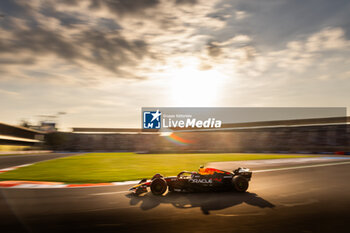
(206, 179)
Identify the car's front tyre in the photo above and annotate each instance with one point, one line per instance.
(159, 186)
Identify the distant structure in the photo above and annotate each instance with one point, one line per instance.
(47, 123)
(28, 136)
(288, 136)
(45, 126)
(20, 136)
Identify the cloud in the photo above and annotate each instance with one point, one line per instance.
(272, 24)
(241, 15)
(124, 7)
(38, 47)
(138, 39)
(191, 2)
(327, 39)
(39, 41)
(116, 51)
(214, 50)
(97, 48)
(121, 39)
(318, 55)
(300, 55)
(112, 51)
(16, 61)
(234, 40)
(9, 93)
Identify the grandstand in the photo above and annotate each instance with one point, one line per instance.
(305, 135)
(16, 137)
(290, 136)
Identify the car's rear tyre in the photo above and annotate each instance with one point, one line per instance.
(240, 184)
(158, 186)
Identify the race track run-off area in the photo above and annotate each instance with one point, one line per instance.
(300, 196)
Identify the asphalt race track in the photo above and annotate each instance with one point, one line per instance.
(305, 199)
(15, 160)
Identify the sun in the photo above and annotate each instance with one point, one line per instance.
(191, 87)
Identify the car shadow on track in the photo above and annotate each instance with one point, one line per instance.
(205, 201)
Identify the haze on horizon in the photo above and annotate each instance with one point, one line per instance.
(101, 61)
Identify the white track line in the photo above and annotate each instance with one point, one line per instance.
(126, 182)
(301, 167)
(15, 167)
(38, 186)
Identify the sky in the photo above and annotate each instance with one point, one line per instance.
(100, 61)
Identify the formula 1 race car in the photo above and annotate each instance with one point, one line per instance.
(206, 179)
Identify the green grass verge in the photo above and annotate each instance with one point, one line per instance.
(107, 167)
